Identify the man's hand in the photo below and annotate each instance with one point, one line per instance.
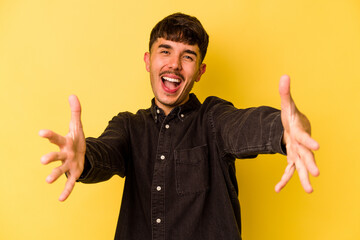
(299, 144)
(72, 150)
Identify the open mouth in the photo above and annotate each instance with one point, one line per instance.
(170, 85)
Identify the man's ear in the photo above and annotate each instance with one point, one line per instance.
(202, 70)
(147, 61)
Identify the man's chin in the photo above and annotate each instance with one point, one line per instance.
(170, 101)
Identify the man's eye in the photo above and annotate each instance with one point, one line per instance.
(187, 57)
(165, 52)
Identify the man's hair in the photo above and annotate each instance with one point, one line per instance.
(179, 27)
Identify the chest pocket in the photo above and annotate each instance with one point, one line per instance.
(192, 170)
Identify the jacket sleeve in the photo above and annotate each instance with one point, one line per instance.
(245, 133)
(108, 154)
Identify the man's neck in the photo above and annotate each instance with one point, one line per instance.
(168, 108)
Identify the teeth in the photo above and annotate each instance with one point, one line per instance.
(171, 79)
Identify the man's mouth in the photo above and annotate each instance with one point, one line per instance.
(170, 85)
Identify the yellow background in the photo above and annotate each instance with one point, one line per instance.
(51, 49)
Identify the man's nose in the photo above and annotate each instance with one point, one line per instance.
(175, 62)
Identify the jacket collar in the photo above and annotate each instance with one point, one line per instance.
(180, 111)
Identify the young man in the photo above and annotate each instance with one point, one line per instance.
(178, 156)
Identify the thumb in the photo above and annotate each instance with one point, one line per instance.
(75, 107)
(284, 91)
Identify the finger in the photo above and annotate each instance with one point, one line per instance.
(306, 140)
(56, 173)
(69, 186)
(284, 91)
(308, 159)
(289, 172)
(304, 177)
(75, 107)
(53, 137)
(290, 169)
(53, 156)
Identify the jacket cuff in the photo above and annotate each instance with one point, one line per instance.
(277, 134)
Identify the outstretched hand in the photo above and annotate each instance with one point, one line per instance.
(72, 150)
(299, 144)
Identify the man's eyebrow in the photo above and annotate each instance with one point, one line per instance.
(165, 46)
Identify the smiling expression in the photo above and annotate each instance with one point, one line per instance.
(173, 68)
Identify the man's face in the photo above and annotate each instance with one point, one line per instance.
(173, 68)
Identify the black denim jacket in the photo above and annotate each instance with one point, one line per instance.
(180, 173)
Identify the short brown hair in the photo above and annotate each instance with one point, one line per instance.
(179, 27)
